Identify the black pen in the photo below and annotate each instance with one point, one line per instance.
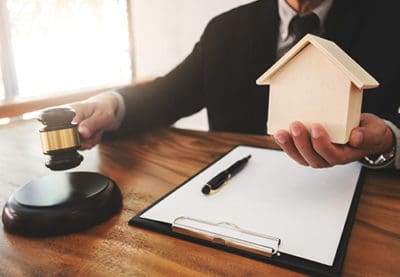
(224, 176)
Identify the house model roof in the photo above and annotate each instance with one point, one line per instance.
(357, 75)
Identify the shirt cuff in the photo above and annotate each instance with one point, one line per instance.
(396, 133)
(393, 162)
(119, 113)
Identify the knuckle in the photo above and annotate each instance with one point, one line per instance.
(302, 163)
(343, 159)
(104, 112)
(318, 164)
(331, 160)
(110, 115)
(331, 163)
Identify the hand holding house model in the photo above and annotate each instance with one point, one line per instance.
(316, 82)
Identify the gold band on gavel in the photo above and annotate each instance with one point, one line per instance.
(59, 139)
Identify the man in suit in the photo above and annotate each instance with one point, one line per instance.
(235, 49)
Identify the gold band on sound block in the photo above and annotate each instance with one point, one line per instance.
(59, 139)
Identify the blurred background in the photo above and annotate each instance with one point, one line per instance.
(51, 48)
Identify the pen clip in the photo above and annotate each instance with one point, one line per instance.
(221, 178)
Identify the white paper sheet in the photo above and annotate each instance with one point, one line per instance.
(306, 208)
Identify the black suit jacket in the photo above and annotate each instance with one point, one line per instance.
(239, 45)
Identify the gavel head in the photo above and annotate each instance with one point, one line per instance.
(60, 138)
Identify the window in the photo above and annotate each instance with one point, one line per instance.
(2, 94)
(63, 45)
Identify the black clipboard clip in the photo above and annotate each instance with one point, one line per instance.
(227, 234)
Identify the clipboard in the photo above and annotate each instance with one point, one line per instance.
(262, 246)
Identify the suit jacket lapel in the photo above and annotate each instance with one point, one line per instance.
(264, 36)
(343, 22)
(263, 42)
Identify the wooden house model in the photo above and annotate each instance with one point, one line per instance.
(316, 82)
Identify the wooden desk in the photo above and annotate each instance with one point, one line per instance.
(146, 167)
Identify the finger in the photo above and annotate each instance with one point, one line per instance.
(85, 143)
(303, 144)
(371, 132)
(88, 143)
(374, 138)
(98, 121)
(85, 132)
(93, 141)
(82, 111)
(78, 117)
(97, 137)
(284, 140)
(356, 138)
(324, 147)
(85, 146)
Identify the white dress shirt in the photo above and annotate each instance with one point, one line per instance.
(286, 13)
(285, 41)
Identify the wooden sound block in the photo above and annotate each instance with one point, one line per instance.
(61, 203)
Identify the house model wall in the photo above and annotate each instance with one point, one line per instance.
(316, 82)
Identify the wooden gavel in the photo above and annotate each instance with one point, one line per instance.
(60, 138)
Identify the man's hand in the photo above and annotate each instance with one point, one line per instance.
(315, 149)
(94, 116)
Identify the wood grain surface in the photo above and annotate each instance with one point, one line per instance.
(146, 167)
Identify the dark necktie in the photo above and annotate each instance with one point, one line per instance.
(302, 25)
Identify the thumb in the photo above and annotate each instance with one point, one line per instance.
(372, 136)
(98, 121)
(368, 139)
(82, 111)
(89, 126)
(365, 138)
(356, 139)
(85, 132)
